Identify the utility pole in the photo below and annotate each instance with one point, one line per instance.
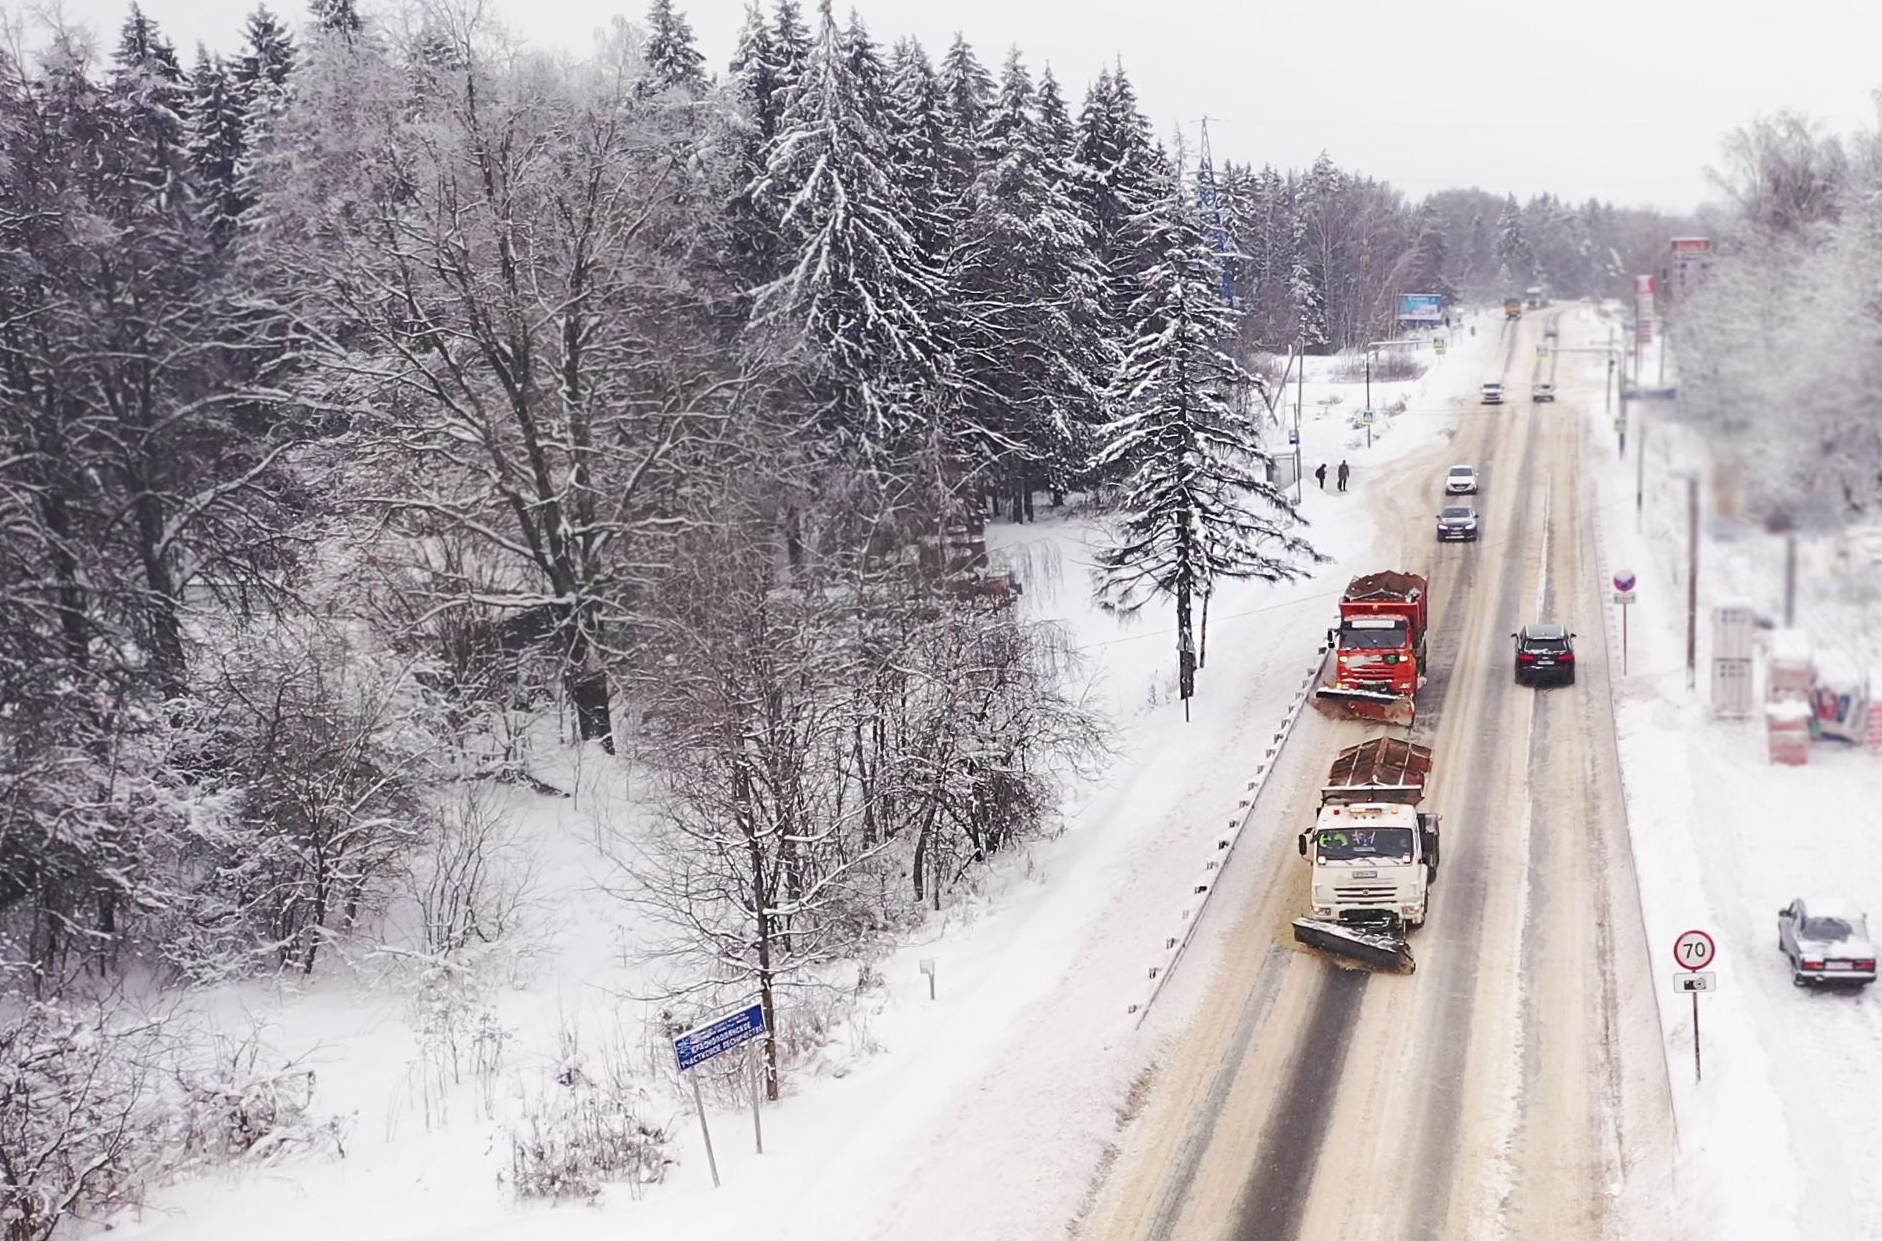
(1692, 579)
(1640, 466)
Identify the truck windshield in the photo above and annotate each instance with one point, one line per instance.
(1351, 844)
(1372, 639)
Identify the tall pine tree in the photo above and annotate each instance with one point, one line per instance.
(852, 279)
(1026, 287)
(217, 145)
(1193, 510)
(672, 59)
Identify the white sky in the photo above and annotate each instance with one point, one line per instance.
(1620, 99)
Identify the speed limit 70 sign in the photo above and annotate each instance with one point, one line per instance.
(1694, 950)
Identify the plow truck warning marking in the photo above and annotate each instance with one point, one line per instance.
(1372, 856)
(1376, 658)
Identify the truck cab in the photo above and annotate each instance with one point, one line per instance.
(1372, 864)
(1512, 308)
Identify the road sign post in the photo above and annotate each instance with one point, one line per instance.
(715, 1037)
(1623, 596)
(1694, 950)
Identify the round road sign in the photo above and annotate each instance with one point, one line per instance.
(1624, 581)
(1694, 950)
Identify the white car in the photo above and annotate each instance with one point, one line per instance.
(1827, 941)
(1461, 481)
(1493, 394)
(1542, 392)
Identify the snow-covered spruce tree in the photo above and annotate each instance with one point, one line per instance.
(969, 90)
(218, 143)
(672, 59)
(920, 163)
(267, 54)
(1516, 265)
(750, 126)
(852, 283)
(1192, 509)
(790, 47)
(1115, 163)
(336, 17)
(1026, 290)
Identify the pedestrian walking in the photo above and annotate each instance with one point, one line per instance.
(1345, 470)
(1321, 475)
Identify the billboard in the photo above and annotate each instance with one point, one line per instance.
(1420, 308)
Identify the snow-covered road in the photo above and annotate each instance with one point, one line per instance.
(1514, 1085)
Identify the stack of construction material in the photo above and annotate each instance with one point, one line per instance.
(1787, 725)
(1873, 736)
(1790, 675)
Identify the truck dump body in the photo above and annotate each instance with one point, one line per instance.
(1385, 769)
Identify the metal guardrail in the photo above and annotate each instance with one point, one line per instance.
(1200, 891)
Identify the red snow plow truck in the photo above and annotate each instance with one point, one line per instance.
(1376, 659)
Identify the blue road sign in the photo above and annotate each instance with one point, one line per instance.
(702, 1043)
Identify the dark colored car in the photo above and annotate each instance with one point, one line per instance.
(1544, 653)
(1457, 522)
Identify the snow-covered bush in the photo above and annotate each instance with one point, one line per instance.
(82, 1114)
(585, 1128)
(469, 879)
(236, 1106)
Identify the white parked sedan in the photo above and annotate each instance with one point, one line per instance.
(1827, 941)
(1461, 481)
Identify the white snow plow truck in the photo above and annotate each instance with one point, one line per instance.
(1372, 854)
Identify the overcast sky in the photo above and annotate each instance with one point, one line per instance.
(1623, 100)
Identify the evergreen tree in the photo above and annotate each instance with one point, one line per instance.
(916, 128)
(217, 146)
(753, 81)
(672, 59)
(1118, 181)
(1193, 509)
(790, 46)
(268, 58)
(853, 281)
(1026, 287)
(969, 93)
(1516, 265)
(151, 97)
(339, 17)
(1306, 297)
(866, 69)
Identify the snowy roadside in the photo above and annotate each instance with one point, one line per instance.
(1771, 1138)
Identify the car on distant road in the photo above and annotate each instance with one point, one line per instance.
(1461, 481)
(1493, 394)
(1827, 941)
(1544, 653)
(1542, 392)
(1457, 522)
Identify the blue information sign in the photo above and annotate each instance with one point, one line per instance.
(702, 1043)
(1420, 308)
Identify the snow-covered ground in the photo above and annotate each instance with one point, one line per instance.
(982, 1113)
(1775, 1140)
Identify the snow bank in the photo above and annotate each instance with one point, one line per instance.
(1771, 1139)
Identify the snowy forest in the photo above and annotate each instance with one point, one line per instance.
(1780, 344)
(386, 406)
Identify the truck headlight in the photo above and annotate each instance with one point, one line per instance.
(1409, 910)
(1323, 911)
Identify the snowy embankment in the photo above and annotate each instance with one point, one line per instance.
(1772, 1140)
(984, 1112)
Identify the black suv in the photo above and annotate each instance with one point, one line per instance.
(1544, 653)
